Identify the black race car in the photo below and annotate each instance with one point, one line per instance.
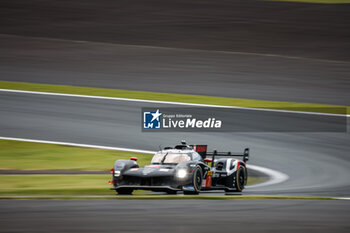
(187, 168)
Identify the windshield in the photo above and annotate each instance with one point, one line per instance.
(170, 158)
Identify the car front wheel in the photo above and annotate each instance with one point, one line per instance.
(196, 182)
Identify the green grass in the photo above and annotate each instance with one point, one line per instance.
(16, 155)
(174, 97)
(315, 1)
(55, 184)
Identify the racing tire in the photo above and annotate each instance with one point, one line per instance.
(197, 181)
(241, 179)
(125, 191)
(236, 181)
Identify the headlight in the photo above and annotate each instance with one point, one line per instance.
(117, 173)
(181, 173)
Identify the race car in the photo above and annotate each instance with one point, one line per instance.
(187, 168)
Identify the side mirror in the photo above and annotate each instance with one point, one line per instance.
(207, 160)
(133, 158)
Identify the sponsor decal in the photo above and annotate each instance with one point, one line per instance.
(200, 148)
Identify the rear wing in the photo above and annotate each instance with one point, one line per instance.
(245, 154)
(202, 150)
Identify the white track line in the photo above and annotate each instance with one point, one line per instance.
(170, 102)
(275, 177)
(78, 145)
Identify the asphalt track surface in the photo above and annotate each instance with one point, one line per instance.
(174, 216)
(216, 48)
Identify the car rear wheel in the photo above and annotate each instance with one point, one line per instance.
(197, 181)
(236, 181)
(240, 180)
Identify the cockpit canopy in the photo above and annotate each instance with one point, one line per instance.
(170, 157)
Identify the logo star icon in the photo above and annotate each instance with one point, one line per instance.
(156, 115)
